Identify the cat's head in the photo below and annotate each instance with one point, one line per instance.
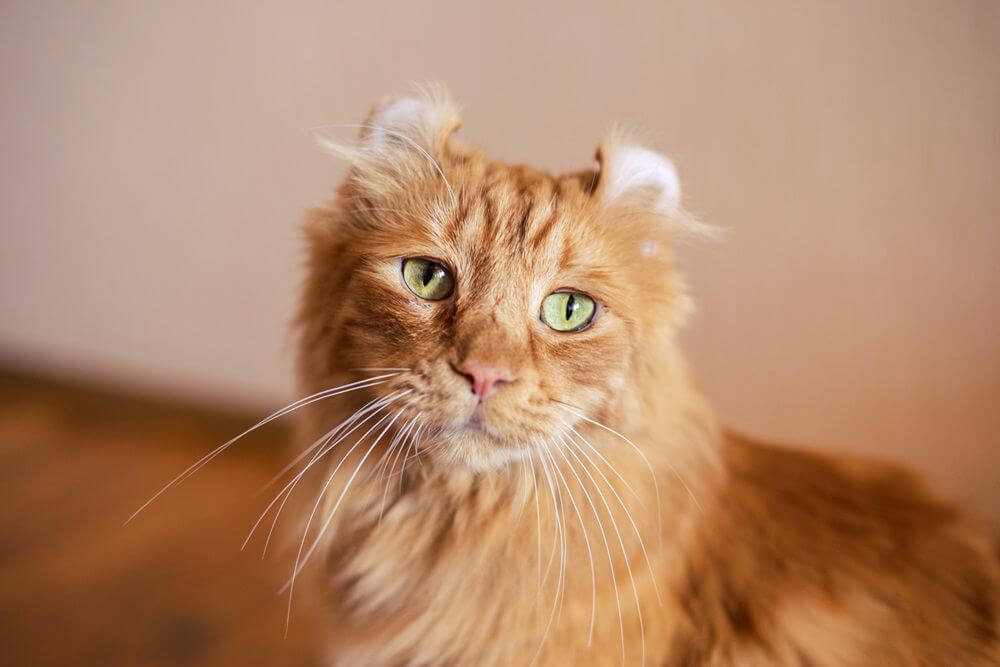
(506, 304)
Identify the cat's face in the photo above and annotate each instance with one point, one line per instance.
(509, 300)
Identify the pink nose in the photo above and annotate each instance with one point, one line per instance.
(483, 378)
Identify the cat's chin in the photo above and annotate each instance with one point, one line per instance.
(474, 447)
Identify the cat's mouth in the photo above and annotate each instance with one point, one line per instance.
(475, 420)
(476, 423)
(481, 428)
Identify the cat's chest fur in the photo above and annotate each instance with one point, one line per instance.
(486, 574)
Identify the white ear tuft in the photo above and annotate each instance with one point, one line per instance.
(418, 124)
(399, 117)
(641, 175)
(423, 121)
(401, 121)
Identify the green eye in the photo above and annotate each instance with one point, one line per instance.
(428, 279)
(568, 311)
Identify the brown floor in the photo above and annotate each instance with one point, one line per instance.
(172, 587)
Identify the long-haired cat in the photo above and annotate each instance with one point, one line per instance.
(520, 471)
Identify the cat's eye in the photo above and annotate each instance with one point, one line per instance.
(428, 279)
(568, 311)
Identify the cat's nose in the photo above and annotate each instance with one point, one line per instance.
(483, 378)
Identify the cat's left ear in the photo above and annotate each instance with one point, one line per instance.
(422, 123)
(400, 139)
(637, 177)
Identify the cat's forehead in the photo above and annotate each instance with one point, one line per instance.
(518, 212)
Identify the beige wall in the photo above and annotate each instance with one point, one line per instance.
(156, 160)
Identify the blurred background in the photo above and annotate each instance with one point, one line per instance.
(157, 158)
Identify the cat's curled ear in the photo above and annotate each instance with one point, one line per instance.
(401, 138)
(423, 122)
(635, 178)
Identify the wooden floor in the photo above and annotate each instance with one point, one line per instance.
(172, 587)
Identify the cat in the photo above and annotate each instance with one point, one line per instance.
(522, 471)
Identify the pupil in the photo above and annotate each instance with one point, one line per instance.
(429, 272)
(570, 306)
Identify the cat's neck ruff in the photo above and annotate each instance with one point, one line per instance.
(495, 547)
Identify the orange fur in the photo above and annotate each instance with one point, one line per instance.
(592, 512)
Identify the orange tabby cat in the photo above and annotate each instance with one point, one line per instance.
(526, 474)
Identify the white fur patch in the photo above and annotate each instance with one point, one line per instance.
(402, 116)
(409, 120)
(633, 169)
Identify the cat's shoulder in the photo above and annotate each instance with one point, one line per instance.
(825, 485)
(864, 548)
(865, 509)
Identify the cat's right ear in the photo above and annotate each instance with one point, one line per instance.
(632, 177)
(401, 139)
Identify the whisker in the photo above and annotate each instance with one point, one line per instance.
(302, 402)
(538, 532)
(376, 370)
(371, 409)
(290, 585)
(412, 444)
(586, 540)
(400, 448)
(343, 493)
(564, 555)
(552, 552)
(400, 436)
(639, 451)
(607, 547)
(628, 514)
(597, 452)
(416, 453)
(379, 471)
(621, 542)
(298, 558)
(318, 443)
(652, 475)
(561, 536)
(367, 408)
